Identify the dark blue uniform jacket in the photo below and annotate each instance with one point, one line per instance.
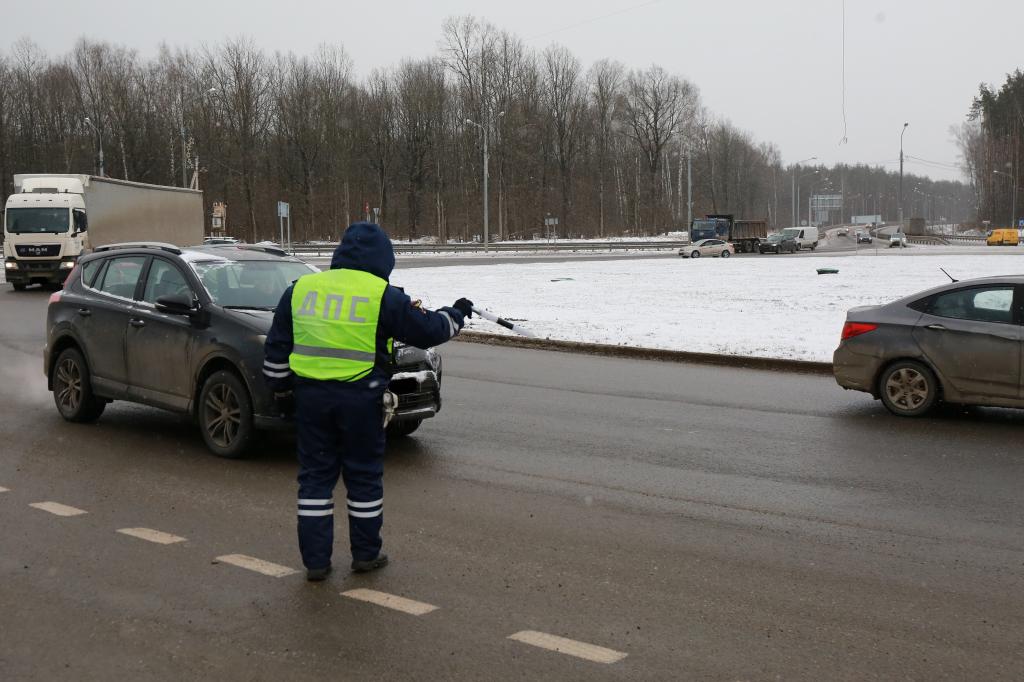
(365, 247)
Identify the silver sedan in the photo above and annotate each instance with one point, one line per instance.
(707, 247)
(958, 343)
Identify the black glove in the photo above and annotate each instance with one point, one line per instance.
(284, 404)
(464, 306)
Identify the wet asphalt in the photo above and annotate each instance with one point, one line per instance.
(709, 523)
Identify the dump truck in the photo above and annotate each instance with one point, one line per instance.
(744, 235)
(52, 219)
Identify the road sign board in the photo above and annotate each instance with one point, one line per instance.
(282, 209)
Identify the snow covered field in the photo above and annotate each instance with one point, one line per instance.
(769, 306)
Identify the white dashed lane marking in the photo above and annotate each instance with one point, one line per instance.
(58, 509)
(150, 535)
(390, 601)
(4, 490)
(570, 647)
(257, 565)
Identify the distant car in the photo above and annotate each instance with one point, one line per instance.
(183, 329)
(777, 243)
(863, 237)
(897, 239)
(219, 240)
(958, 343)
(843, 232)
(707, 247)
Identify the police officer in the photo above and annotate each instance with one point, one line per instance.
(330, 347)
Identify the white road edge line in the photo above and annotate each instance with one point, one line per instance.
(257, 565)
(570, 647)
(58, 509)
(150, 535)
(390, 601)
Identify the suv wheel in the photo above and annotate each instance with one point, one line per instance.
(403, 428)
(225, 415)
(908, 388)
(72, 389)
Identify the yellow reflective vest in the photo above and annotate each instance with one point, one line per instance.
(334, 324)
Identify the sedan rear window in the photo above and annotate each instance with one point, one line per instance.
(981, 304)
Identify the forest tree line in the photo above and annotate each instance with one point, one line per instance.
(992, 145)
(606, 150)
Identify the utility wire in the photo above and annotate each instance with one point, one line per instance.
(593, 19)
(843, 140)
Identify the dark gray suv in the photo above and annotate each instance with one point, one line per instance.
(183, 329)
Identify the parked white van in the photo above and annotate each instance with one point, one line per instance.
(805, 237)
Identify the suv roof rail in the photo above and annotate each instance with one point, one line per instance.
(273, 250)
(170, 248)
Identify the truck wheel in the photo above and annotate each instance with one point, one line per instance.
(72, 389)
(225, 415)
(403, 428)
(19, 286)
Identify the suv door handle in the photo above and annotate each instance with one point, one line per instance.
(84, 312)
(936, 327)
(136, 322)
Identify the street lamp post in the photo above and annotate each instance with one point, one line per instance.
(100, 138)
(796, 203)
(901, 174)
(1013, 202)
(483, 129)
(793, 193)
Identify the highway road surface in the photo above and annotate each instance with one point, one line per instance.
(564, 517)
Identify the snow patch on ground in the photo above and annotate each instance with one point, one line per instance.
(776, 307)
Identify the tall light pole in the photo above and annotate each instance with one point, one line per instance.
(796, 183)
(901, 175)
(1013, 204)
(100, 138)
(184, 152)
(483, 129)
(793, 194)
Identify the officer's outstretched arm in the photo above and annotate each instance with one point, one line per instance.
(278, 347)
(414, 325)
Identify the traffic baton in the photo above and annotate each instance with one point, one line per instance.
(504, 323)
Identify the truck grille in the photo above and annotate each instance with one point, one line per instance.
(37, 250)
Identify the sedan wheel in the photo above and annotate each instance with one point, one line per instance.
(695, 254)
(725, 253)
(225, 415)
(908, 389)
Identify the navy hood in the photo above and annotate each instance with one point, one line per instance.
(366, 247)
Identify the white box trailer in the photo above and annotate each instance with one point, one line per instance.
(52, 219)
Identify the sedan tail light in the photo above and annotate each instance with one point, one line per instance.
(851, 329)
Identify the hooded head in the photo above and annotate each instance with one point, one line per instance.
(366, 247)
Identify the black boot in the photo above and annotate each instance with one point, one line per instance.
(315, 575)
(372, 565)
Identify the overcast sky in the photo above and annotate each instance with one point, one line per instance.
(774, 68)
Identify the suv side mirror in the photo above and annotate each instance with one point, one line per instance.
(175, 304)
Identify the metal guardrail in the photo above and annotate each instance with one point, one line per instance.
(535, 247)
(944, 239)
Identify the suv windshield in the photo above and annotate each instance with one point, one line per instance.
(37, 219)
(252, 284)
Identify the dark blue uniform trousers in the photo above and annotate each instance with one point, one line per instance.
(340, 432)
